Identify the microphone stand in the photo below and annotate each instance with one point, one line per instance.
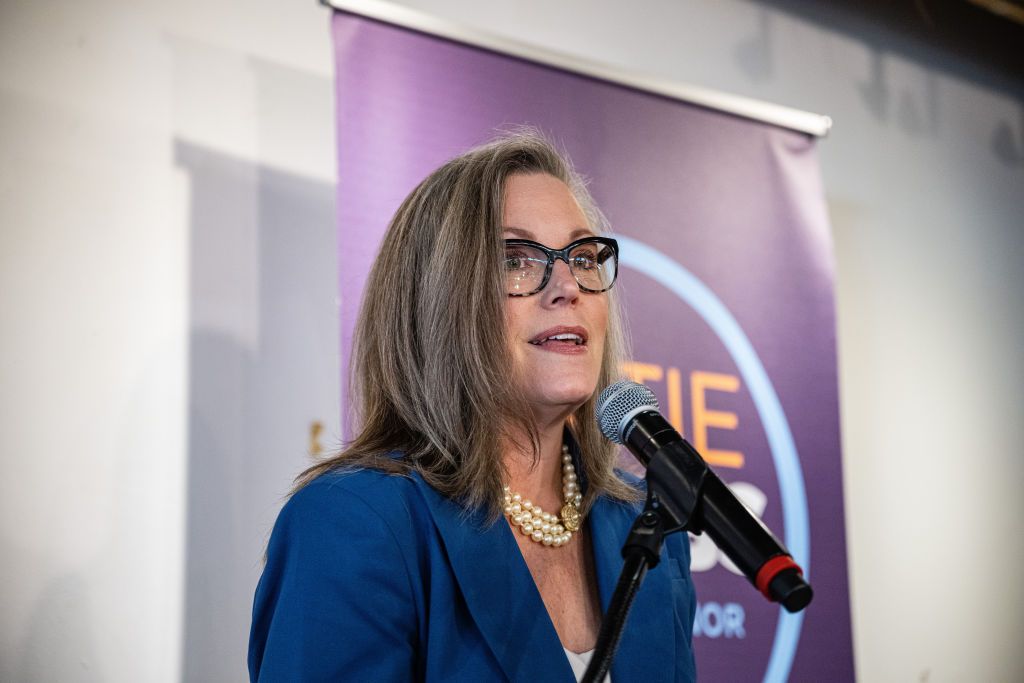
(642, 549)
(683, 494)
(641, 552)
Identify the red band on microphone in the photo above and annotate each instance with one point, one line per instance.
(770, 569)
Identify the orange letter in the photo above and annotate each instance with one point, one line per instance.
(675, 399)
(640, 372)
(704, 418)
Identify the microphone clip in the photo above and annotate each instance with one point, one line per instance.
(674, 489)
(675, 486)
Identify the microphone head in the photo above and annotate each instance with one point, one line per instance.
(618, 403)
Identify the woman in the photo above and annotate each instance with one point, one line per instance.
(472, 530)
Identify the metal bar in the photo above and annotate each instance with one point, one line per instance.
(766, 112)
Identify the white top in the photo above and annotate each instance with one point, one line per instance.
(578, 661)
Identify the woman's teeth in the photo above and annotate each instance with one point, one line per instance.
(574, 338)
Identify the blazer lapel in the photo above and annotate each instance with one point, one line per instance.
(647, 650)
(499, 592)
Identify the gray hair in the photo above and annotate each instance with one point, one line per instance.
(431, 366)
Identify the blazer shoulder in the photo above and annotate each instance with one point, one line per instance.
(338, 597)
(391, 499)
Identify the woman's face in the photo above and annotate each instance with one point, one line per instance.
(556, 374)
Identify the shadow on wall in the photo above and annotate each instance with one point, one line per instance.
(960, 39)
(263, 366)
(1008, 143)
(754, 55)
(899, 41)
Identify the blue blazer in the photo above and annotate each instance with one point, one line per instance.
(374, 577)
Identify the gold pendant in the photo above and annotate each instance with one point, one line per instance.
(570, 517)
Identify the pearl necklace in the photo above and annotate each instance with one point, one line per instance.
(544, 527)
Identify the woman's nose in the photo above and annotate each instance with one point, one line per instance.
(563, 285)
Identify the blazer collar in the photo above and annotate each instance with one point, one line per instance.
(647, 650)
(484, 557)
(499, 592)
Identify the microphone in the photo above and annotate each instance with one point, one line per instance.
(694, 498)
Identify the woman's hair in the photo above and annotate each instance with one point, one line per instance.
(433, 379)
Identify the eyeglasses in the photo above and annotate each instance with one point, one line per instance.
(593, 261)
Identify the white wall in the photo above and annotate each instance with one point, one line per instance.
(165, 196)
(134, 339)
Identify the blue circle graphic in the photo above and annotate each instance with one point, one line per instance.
(697, 295)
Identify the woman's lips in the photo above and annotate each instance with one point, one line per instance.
(565, 339)
(562, 334)
(568, 347)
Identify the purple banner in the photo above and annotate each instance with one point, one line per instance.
(727, 279)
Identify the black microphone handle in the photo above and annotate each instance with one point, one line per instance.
(701, 502)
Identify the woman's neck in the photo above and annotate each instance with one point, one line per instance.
(540, 482)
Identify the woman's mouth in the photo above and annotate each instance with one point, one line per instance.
(573, 339)
(560, 338)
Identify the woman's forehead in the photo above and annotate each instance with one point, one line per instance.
(542, 208)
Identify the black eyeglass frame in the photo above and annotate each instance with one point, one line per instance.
(563, 255)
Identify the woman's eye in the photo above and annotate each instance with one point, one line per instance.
(516, 262)
(511, 263)
(586, 261)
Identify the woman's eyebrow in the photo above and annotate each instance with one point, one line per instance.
(527, 235)
(519, 232)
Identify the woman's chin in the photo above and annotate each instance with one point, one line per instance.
(565, 400)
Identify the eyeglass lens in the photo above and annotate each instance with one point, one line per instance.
(591, 263)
